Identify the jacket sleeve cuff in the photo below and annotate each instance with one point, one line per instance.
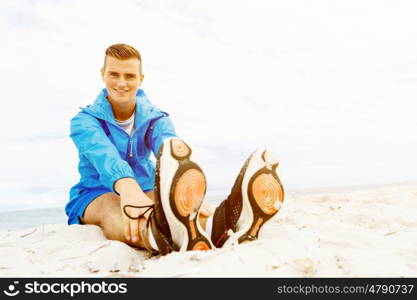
(114, 184)
(125, 172)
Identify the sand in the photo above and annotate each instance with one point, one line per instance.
(368, 232)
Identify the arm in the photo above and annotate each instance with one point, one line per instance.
(93, 143)
(131, 198)
(115, 173)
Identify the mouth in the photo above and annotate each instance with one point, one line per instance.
(120, 92)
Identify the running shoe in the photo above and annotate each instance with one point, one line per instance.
(256, 197)
(180, 187)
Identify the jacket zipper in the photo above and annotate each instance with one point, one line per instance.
(130, 144)
(130, 147)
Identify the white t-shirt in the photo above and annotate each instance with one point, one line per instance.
(128, 125)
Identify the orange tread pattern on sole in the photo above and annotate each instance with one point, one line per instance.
(189, 191)
(266, 191)
(179, 148)
(201, 246)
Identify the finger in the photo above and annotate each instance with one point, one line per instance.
(148, 214)
(134, 230)
(148, 200)
(142, 231)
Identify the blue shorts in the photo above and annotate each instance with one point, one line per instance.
(75, 209)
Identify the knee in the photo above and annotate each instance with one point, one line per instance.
(100, 208)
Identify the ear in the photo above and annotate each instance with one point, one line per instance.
(102, 73)
(141, 77)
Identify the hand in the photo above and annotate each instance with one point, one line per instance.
(132, 195)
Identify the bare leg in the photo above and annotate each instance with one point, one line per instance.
(104, 211)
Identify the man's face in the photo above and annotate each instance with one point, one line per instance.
(122, 79)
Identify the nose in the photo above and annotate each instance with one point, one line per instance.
(121, 83)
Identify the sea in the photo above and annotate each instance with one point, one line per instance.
(19, 219)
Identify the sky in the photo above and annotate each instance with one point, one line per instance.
(329, 86)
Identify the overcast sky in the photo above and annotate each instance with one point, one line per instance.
(329, 86)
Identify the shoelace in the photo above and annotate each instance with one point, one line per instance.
(142, 215)
(149, 207)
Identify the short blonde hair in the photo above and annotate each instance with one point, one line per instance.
(123, 51)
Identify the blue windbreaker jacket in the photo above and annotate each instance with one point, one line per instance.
(107, 153)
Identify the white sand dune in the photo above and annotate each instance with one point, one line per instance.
(354, 233)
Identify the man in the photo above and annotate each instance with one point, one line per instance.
(159, 209)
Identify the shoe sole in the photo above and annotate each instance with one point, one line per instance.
(262, 195)
(182, 187)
